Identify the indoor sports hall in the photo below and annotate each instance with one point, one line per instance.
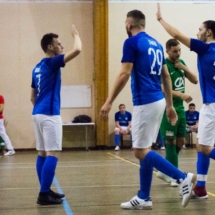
(94, 177)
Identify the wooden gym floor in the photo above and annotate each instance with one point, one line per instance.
(95, 183)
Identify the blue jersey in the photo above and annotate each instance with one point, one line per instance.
(192, 118)
(147, 57)
(206, 68)
(46, 79)
(123, 119)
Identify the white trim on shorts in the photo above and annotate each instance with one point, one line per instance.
(206, 127)
(48, 132)
(146, 120)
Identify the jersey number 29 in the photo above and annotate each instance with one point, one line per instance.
(157, 61)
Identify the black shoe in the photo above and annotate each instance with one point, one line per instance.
(56, 195)
(48, 199)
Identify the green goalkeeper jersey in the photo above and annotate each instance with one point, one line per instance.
(178, 83)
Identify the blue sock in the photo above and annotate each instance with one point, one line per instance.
(212, 154)
(48, 173)
(146, 172)
(155, 160)
(117, 137)
(39, 166)
(202, 166)
(161, 141)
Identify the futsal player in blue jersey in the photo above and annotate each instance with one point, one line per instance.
(192, 118)
(122, 123)
(45, 96)
(204, 46)
(143, 59)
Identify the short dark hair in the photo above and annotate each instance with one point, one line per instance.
(121, 105)
(47, 40)
(171, 42)
(210, 24)
(138, 18)
(192, 105)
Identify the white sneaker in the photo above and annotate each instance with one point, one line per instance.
(117, 148)
(187, 186)
(10, 152)
(162, 147)
(164, 177)
(137, 203)
(173, 183)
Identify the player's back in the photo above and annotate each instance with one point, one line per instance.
(46, 79)
(206, 68)
(148, 59)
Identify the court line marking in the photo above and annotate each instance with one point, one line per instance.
(59, 166)
(65, 203)
(89, 186)
(125, 160)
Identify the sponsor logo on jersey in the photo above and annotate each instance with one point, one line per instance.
(37, 70)
(172, 73)
(169, 133)
(179, 83)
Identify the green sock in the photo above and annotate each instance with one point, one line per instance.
(2, 146)
(171, 154)
(1, 140)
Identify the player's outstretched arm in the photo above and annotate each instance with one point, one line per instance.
(76, 46)
(167, 89)
(171, 30)
(119, 84)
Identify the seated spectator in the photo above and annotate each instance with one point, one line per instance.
(3, 133)
(192, 118)
(123, 124)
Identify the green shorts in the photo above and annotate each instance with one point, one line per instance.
(171, 132)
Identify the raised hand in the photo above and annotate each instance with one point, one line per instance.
(74, 31)
(158, 14)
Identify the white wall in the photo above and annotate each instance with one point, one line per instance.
(22, 27)
(187, 17)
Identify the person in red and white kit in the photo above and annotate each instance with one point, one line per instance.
(3, 133)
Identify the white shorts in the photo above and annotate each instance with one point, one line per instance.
(206, 128)
(146, 120)
(48, 132)
(123, 128)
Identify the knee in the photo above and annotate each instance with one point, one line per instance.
(53, 153)
(205, 150)
(140, 153)
(42, 153)
(117, 131)
(170, 141)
